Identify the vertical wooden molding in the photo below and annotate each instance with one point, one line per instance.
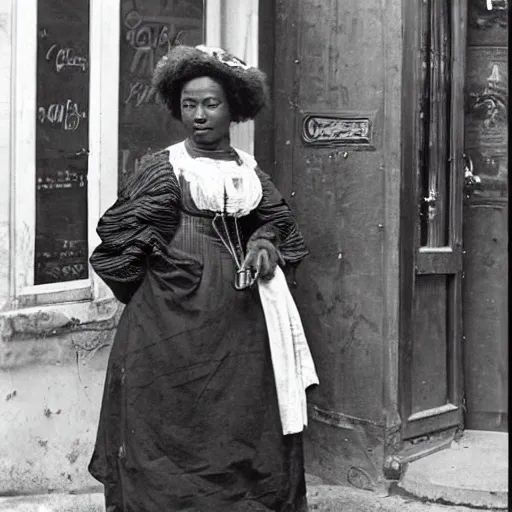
(413, 78)
(456, 183)
(392, 40)
(103, 119)
(264, 125)
(23, 120)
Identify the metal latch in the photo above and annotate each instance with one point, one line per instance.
(470, 179)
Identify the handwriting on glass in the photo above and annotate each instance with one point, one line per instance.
(67, 115)
(147, 39)
(322, 130)
(61, 179)
(64, 249)
(140, 93)
(66, 58)
(65, 272)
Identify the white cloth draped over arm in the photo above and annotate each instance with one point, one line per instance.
(294, 369)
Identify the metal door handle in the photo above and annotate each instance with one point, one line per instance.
(470, 178)
(431, 199)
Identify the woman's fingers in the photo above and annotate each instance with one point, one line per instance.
(260, 262)
(266, 267)
(250, 260)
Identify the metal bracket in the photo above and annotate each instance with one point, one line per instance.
(470, 179)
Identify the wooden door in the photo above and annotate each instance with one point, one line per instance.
(431, 245)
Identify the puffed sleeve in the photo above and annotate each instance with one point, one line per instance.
(142, 220)
(274, 221)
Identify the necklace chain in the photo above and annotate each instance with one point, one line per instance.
(228, 243)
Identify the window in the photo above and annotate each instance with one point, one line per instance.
(82, 117)
(63, 141)
(148, 29)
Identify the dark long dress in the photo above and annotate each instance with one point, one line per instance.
(189, 419)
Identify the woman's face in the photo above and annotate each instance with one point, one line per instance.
(205, 113)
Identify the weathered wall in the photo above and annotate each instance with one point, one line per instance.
(344, 59)
(52, 369)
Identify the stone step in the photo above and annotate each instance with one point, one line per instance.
(472, 472)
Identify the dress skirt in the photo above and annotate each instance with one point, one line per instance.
(189, 419)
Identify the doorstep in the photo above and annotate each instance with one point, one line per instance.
(473, 472)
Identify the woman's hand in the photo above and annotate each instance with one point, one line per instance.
(262, 258)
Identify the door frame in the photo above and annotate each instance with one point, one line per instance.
(412, 260)
(264, 126)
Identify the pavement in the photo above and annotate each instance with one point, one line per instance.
(322, 498)
(472, 474)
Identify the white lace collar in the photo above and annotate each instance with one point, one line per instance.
(218, 185)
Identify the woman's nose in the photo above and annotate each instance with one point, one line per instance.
(199, 114)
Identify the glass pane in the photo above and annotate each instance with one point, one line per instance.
(435, 169)
(148, 29)
(62, 141)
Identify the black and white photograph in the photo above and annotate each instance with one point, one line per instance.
(254, 256)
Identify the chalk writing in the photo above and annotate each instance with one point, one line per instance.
(61, 180)
(66, 58)
(63, 249)
(146, 38)
(66, 272)
(319, 129)
(68, 115)
(140, 93)
(62, 139)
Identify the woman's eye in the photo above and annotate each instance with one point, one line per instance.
(213, 105)
(187, 105)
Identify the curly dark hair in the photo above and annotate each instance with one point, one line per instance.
(245, 88)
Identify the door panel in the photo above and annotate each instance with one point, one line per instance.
(430, 365)
(429, 385)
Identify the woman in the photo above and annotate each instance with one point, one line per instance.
(190, 419)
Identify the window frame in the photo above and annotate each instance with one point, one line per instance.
(221, 14)
(103, 146)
